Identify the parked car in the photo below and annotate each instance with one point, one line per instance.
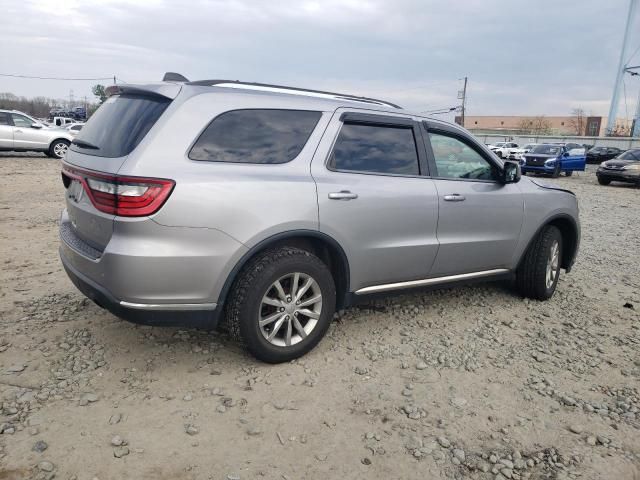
(516, 153)
(624, 168)
(552, 159)
(21, 133)
(599, 154)
(502, 148)
(74, 128)
(79, 113)
(274, 206)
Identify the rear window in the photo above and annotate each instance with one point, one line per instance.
(255, 136)
(119, 125)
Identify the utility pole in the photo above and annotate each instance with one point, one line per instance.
(615, 99)
(463, 96)
(635, 127)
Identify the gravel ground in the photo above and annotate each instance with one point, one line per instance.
(461, 383)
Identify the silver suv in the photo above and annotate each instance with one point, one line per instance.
(264, 209)
(21, 133)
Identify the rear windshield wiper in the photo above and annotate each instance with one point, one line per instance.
(83, 144)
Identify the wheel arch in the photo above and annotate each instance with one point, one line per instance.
(59, 138)
(320, 244)
(570, 239)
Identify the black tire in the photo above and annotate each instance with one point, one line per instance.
(55, 147)
(603, 181)
(556, 170)
(531, 275)
(255, 280)
(568, 173)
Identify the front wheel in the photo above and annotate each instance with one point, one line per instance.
(568, 173)
(556, 170)
(538, 274)
(603, 181)
(58, 149)
(282, 304)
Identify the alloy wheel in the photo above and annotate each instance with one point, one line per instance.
(553, 264)
(60, 149)
(290, 309)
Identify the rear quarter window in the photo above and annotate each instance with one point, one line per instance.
(255, 136)
(119, 125)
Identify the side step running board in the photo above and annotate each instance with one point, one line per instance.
(429, 281)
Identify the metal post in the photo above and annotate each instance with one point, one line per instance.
(464, 98)
(613, 109)
(636, 119)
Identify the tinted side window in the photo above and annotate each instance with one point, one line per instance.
(255, 136)
(4, 118)
(456, 159)
(375, 149)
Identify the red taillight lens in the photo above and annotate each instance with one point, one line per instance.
(122, 196)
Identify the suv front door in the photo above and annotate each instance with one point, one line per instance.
(480, 218)
(6, 132)
(25, 136)
(372, 198)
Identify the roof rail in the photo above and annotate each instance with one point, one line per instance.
(211, 83)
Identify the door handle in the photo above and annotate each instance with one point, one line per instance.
(455, 197)
(343, 195)
(17, 131)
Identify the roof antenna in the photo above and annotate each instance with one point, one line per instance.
(174, 77)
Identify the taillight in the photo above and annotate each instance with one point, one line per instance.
(122, 196)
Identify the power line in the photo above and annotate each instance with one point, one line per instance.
(53, 78)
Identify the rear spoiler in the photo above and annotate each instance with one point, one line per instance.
(165, 90)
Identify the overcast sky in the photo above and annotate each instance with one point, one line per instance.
(521, 56)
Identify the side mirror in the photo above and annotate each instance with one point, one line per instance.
(36, 125)
(511, 172)
(565, 154)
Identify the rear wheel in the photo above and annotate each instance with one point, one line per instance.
(538, 274)
(603, 181)
(281, 304)
(58, 148)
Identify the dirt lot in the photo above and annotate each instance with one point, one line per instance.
(466, 383)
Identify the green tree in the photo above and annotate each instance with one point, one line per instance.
(98, 91)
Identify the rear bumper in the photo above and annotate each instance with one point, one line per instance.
(194, 315)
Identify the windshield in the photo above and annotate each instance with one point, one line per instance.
(630, 155)
(119, 125)
(547, 149)
(529, 146)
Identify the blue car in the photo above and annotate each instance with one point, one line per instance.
(554, 158)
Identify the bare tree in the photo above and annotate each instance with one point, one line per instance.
(535, 126)
(578, 121)
(526, 126)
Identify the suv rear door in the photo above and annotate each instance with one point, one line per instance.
(479, 218)
(372, 198)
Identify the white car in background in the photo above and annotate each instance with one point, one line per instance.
(502, 148)
(74, 128)
(516, 153)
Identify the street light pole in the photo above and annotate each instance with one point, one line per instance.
(613, 109)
